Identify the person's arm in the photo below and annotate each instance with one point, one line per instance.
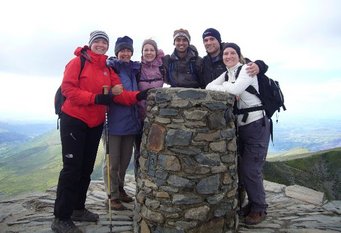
(239, 86)
(125, 97)
(262, 66)
(255, 68)
(217, 84)
(71, 86)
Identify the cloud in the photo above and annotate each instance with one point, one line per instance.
(299, 40)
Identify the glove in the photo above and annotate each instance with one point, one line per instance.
(142, 95)
(103, 99)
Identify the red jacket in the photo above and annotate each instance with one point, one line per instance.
(80, 93)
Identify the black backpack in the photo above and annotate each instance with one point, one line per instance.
(59, 99)
(270, 95)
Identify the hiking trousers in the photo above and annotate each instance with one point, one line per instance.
(253, 146)
(79, 150)
(120, 152)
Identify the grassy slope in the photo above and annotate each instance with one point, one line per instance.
(35, 166)
(320, 171)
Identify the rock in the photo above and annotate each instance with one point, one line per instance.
(305, 194)
(34, 213)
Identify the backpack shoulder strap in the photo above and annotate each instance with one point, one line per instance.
(237, 73)
(83, 60)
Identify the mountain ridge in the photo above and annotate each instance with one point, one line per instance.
(35, 164)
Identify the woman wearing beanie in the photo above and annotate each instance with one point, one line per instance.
(213, 64)
(183, 66)
(81, 125)
(253, 130)
(151, 76)
(124, 124)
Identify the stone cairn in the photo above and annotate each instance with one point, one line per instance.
(187, 181)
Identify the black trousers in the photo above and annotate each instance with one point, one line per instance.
(79, 150)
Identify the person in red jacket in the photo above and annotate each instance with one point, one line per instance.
(81, 126)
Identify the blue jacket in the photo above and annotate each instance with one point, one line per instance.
(124, 120)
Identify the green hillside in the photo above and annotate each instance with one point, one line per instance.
(35, 165)
(320, 171)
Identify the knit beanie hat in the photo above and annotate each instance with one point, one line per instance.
(234, 46)
(182, 32)
(151, 42)
(124, 43)
(212, 32)
(96, 35)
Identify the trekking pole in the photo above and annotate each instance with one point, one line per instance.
(106, 132)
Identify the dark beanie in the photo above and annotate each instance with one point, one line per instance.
(96, 35)
(234, 46)
(212, 32)
(124, 43)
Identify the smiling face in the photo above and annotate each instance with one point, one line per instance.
(230, 57)
(148, 52)
(124, 55)
(181, 44)
(99, 46)
(212, 46)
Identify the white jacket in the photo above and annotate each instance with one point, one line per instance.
(237, 88)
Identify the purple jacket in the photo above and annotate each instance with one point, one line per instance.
(150, 77)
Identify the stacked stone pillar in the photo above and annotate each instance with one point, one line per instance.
(187, 181)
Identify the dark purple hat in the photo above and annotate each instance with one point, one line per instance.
(212, 32)
(124, 43)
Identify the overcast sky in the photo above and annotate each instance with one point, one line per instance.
(300, 40)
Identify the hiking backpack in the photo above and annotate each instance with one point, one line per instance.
(59, 98)
(270, 95)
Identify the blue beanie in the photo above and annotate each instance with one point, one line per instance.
(212, 32)
(124, 43)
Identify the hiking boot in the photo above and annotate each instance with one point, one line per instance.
(64, 226)
(84, 215)
(244, 211)
(116, 204)
(124, 196)
(254, 218)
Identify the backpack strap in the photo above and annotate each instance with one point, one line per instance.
(251, 90)
(83, 60)
(151, 80)
(245, 111)
(162, 72)
(237, 73)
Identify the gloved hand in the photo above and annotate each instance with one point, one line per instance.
(142, 95)
(103, 99)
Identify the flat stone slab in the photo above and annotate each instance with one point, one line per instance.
(305, 194)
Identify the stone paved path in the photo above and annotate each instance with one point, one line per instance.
(32, 213)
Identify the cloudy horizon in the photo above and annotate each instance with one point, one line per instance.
(299, 40)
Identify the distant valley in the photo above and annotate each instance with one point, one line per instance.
(30, 155)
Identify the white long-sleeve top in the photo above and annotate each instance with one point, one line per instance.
(237, 87)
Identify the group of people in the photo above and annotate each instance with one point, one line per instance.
(86, 107)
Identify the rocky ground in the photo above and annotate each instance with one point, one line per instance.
(292, 209)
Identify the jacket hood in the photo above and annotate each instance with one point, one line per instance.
(91, 56)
